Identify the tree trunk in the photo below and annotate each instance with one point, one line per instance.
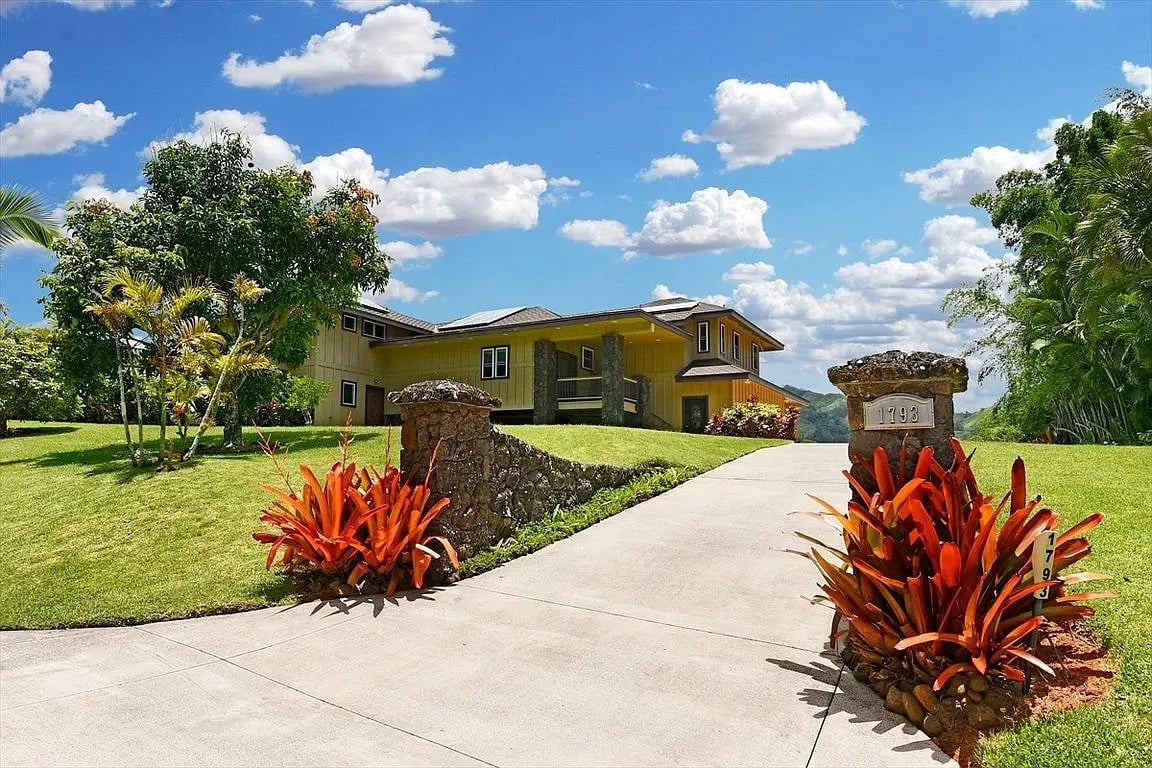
(210, 409)
(124, 403)
(139, 412)
(163, 400)
(3, 425)
(233, 427)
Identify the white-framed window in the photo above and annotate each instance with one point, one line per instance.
(723, 331)
(494, 363)
(735, 345)
(372, 329)
(588, 358)
(348, 393)
(348, 322)
(755, 355)
(702, 341)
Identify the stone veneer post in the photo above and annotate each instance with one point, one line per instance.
(920, 374)
(544, 387)
(612, 371)
(644, 406)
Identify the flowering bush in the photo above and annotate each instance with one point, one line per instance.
(755, 419)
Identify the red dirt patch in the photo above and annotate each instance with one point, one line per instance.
(1084, 673)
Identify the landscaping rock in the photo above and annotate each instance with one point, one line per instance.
(932, 725)
(926, 697)
(912, 709)
(957, 686)
(978, 683)
(982, 717)
(894, 701)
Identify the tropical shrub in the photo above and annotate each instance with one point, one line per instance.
(30, 383)
(754, 419)
(358, 522)
(929, 583)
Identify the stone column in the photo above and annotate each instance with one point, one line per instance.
(544, 382)
(644, 405)
(452, 419)
(897, 398)
(612, 369)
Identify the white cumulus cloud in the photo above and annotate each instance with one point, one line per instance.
(989, 8)
(395, 46)
(8, 6)
(842, 250)
(26, 78)
(268, 149)
(954, 180)
(1140, 78)
(91, 187)
(438, 202)
(52, 131)
(756, 123)
(405, 252)
(876, 248)
(598, 232)
(710, 220)
(400, 291)
(1088, 5)
(670, 165)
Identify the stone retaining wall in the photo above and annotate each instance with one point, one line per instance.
(496, 482)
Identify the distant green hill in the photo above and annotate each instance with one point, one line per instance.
(825, 419)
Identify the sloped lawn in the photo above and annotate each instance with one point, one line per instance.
(89, 540)
(1076, 481)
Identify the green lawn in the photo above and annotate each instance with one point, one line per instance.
(1076, 481)
(89, 540)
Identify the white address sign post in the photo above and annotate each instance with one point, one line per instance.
(1043, 551)
(900, 411)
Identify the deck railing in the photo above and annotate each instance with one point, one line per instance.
(592, 388)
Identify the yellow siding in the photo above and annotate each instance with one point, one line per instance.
(459, 359)
(659, 361)
(342, 355)
(718, 391)
(743, 390)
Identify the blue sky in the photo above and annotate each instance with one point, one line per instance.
(806, 163)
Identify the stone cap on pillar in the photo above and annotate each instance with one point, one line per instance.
(444, 391)
(858, 377)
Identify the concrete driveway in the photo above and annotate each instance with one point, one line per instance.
(672, 634)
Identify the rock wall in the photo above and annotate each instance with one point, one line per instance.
(496, 482)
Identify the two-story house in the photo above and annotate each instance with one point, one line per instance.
(665, 364)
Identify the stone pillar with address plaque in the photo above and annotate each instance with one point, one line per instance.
(900, 397)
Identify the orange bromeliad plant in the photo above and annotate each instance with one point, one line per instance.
(396, 516)
(357, 520)
(929, 578)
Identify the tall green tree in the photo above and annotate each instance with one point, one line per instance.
(215, 216)
(1069, 321)
(24, 218)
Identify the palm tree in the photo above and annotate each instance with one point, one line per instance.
(24, 218)
(160, 317)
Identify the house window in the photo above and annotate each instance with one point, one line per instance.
(755, 355)
(348, 393)
(702, 340)
(588, 358)
(372, 329)
(348, 322)
(494, 363)
(723, 330)
(735, 345)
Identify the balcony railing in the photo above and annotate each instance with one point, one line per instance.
(592, 388)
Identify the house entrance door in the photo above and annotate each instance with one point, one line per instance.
(374, 406)
(695, 413)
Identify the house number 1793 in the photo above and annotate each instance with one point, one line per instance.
(899, 411)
